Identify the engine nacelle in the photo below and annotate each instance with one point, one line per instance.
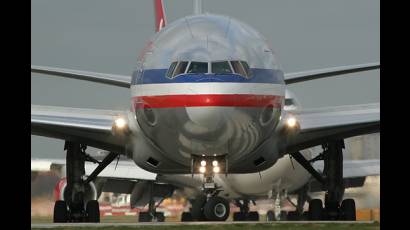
(61, 193)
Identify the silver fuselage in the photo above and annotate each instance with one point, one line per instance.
(206, 114)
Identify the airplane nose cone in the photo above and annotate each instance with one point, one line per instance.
(209, 118)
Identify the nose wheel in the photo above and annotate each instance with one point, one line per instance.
(216, 209)
(208, 209)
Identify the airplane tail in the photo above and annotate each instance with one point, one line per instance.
(197, 6)
(160, 19)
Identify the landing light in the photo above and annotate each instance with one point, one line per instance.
(120, 123)
(214, 163)
(291, 122)
(203, 163)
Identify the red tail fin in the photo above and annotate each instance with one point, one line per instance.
(160, 19)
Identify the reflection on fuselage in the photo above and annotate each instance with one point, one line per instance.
(207, 85)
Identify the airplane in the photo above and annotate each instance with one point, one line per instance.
(211, 116)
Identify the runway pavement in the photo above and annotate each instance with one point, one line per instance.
(77, 225)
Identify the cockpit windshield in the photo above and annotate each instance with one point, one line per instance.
(221, 67)
(179, 69)
(171, 69)
(198, 67)
(217, 67)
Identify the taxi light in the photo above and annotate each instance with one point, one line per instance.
(216, 169)
(291, 122)
(214, 163)
(203, 163)
(120, 123)
(202, 169)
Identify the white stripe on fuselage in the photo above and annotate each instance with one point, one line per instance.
(207, 88)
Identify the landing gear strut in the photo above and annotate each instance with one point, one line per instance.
(332, 180)
(76, 206)
(209, 207)
(244, 214)
(152, 215)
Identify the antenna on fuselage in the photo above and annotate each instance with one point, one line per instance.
(198, 6)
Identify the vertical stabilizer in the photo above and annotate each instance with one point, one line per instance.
(160, 19)
(197, 6)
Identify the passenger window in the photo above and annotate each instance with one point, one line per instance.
(221, 67)
(198, 67)
(180, 68)
(238, 68)
(246, 68)
(171, 69)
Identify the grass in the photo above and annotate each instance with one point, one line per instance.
(233, 226)
(256, 226)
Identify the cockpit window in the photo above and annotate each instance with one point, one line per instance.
(221, 67)
(246, 68)
(171, 69)
(217, 67)
(180, 69)
(238, 68)
(198, 67)
(289, 101)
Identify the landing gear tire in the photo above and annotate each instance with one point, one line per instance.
(197, 208)
(283, 216)
(293, 216)
(270, 216)
(60, 212)
(305, 216)
(144, 217)
(315, 209)
(216, 209)
(253, 216)
(93, 211)
(160, 216)
(186, 216)
(239, 216)
(348, 210)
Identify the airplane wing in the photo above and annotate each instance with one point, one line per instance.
(125, 81)
(339, 122)
(296, 77)
(109, 79)
(117, 177)
(123, 170)
(354, 173)
(355, 168)
(89, 126)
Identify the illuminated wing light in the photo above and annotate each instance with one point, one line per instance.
(120, 126)
(291, 122)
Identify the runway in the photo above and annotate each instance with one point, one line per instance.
(96, 225)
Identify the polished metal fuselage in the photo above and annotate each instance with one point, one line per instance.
(206, 114)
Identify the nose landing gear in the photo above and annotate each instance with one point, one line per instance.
(210, 206)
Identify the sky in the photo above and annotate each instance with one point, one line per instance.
(106, 36)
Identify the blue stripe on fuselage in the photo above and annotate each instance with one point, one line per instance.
(158, 76)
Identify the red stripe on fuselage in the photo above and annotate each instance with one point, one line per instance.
(232, 100)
